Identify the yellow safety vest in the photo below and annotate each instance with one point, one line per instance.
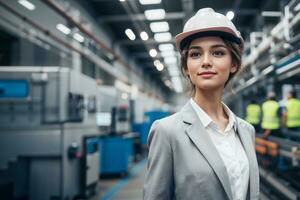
(293, 113)
(270, 115)
(253, 113)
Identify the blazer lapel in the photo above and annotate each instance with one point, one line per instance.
(198, 135)
(248, 147)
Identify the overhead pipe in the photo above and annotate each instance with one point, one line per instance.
(276, 32)
(92, 58)
(63, 13)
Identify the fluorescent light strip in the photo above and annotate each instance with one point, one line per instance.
(130, 34)
(271, 13)
(297, 7)
(162, 37)
(155, 14)
(170, 60)
(167, 53)
(78, 37)
(27, 4)
(159, 27)
(148, 2)
(177, 83)
(165, 47)
(62, 28)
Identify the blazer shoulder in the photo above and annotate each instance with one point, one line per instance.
(247, 125)
(167, 124)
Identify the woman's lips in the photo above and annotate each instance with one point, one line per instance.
(207, 74)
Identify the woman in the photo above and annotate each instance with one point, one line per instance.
(204, 151)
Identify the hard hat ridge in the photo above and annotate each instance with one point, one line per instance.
(206, 22)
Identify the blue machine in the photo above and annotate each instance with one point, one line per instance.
(14, 89)
(117, 154)
(144, 128)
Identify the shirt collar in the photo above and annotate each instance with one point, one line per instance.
(206, 120)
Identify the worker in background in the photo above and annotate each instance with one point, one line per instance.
(253, 113)
(270, 116)
(291, 116)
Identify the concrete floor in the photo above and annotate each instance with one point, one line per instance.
(130, 186)
(126, 187)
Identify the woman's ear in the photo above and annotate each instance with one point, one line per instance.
(234, 68)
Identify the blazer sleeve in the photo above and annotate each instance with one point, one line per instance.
(159, 184)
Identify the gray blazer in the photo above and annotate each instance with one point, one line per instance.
(184, 164)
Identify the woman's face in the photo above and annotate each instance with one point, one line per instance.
(209, 63)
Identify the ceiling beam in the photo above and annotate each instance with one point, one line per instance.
(169, 16)
(139, 42)
(138, 17)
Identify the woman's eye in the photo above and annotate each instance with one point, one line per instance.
(218, 53)
(194, 54)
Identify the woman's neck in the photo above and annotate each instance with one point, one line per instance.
(211, 103)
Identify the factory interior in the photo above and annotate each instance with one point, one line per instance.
(82, 81)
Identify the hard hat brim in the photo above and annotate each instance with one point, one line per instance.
(184, 38)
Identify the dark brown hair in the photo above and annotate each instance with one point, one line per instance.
(236, 54)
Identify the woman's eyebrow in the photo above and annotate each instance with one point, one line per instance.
(213, 46)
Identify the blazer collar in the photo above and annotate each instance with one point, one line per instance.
(198, 135)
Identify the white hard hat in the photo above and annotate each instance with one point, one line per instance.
(207, 22)
(271, 94)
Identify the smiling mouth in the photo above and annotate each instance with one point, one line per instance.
(207, 74)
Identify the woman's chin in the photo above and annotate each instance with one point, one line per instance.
(209, 86)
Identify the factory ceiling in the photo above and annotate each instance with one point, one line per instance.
(118, 16)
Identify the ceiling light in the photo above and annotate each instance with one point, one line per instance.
(130, 34)
(167, 53)
(159, 27)
(122, 0)
(156, 62)
(271, 13)
(155, 14)
(153, 53)
(170, 60)
(162, 37)
(148, 2)
(27, 4)
(78, 37)
(144, 36)
(166, 47)
(63, 29)
(160, 67)
(230, 15)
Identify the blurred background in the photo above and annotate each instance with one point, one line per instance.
(81, 82)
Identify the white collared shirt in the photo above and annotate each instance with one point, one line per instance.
(230, 149)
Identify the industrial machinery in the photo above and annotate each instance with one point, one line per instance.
(279, 160)
(46, 113)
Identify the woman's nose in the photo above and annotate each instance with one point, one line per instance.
(206, 62)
